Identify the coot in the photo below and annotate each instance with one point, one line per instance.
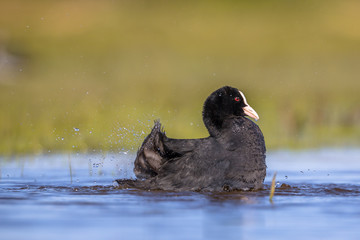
(231, 158)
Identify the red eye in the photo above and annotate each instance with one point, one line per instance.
(237, 99)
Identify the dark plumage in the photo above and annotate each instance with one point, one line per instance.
(231, 158)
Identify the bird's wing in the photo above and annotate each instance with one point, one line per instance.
(149, 157)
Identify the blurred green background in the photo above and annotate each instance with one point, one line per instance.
(93, 75)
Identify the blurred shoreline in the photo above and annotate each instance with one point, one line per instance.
(80, 76)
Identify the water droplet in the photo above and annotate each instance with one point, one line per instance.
(76, 129)
(115, 184)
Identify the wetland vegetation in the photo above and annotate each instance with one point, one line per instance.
(93, 75)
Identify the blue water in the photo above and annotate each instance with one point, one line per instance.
(73, 197)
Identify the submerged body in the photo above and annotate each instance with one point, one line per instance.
(231, 158)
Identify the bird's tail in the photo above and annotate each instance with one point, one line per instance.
(149, 157)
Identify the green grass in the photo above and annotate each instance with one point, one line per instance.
(110, 68)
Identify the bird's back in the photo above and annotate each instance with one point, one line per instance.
(233, 161)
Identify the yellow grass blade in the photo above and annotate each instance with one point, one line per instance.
(272, 188)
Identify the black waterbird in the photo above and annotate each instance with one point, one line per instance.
(231, 158)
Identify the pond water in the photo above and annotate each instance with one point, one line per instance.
(73, 197)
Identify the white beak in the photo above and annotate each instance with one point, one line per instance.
(251, 112)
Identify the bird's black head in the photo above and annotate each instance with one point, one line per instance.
(224, 103)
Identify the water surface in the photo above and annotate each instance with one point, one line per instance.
(73, 197)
